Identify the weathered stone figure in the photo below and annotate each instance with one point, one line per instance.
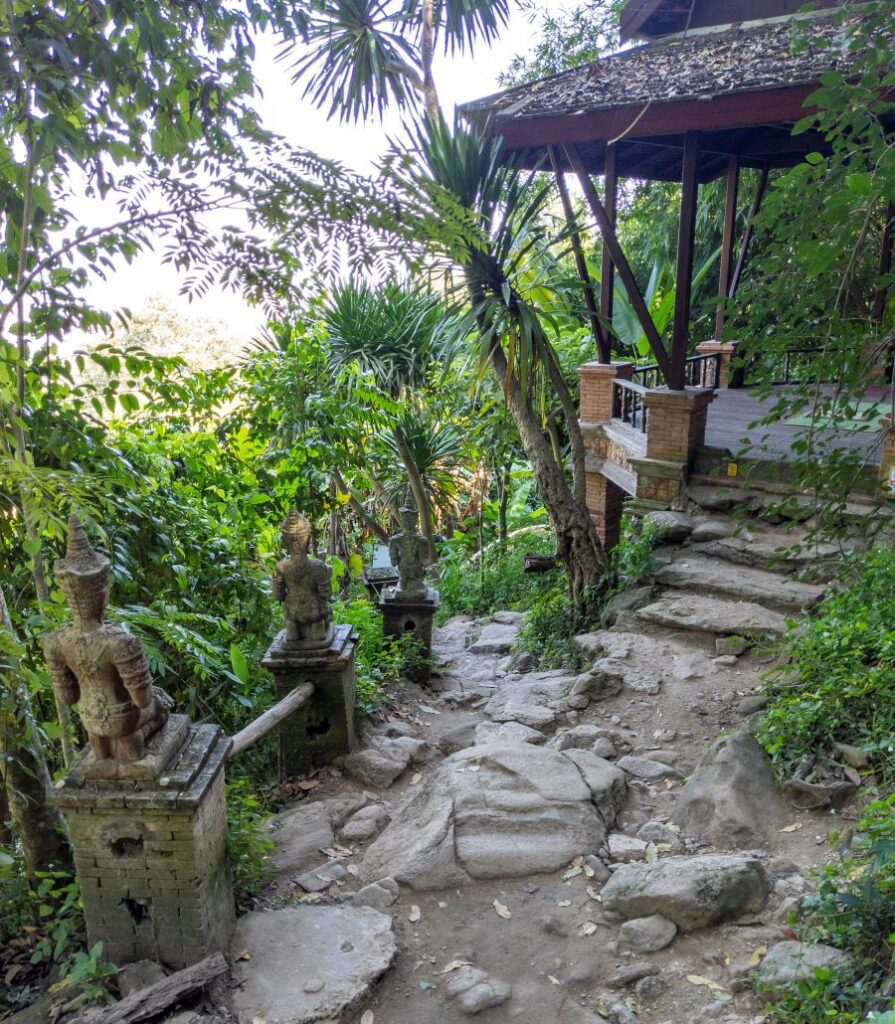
(99, 665)
(303, 586)
(409, 552)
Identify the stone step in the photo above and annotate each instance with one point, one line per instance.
(771, 550)
(694, 572)
(713, 615)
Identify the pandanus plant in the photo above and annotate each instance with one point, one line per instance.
(479, 209)
(391, 335)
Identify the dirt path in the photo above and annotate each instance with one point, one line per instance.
(539, 947)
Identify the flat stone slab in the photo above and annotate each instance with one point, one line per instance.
(713, 615)
(496, 638)
(709, 576)
(498, 811)
(764, 549)
(309, 963)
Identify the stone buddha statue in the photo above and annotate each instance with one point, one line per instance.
(409, 552)
(303, 586)
(99, 665)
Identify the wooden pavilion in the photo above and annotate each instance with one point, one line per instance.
(716, 87)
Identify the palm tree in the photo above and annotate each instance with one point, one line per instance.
(393, 335)
(366, 54)
(478, 209)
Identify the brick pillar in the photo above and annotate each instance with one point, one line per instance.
(324, 728)
(887, 457)
(676, 425)
(595, 404)
(605, 501)
(151, 854)
(726, 351)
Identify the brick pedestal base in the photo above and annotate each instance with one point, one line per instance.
(595, 400)
(726, 352)
(411, 618)
(676, 426)
(151, 855)
(324, 728)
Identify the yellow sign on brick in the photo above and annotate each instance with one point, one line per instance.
(732, 469)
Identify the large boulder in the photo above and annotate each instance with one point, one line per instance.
(496, 638)
(498, 811)
(788, 963)
(694, 892)
(307, 963)
(532, 700)
(731, 800)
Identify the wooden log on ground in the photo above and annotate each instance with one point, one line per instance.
(155, 1000)
(271, 718)
(539, 563)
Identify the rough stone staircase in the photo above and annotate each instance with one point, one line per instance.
(731, 564)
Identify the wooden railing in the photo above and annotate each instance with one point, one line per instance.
(271, 718)
(699, 372)
(628, 403)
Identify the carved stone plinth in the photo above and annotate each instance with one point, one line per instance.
(411, 618)
(151, 849)
(324, 728)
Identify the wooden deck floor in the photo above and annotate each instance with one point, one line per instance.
(734, 409)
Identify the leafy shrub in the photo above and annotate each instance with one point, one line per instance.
(854, 910)
(549, 628)
(495, 580)
(247, 842)
(840, 682)
(380, 663)
(632, 558)
(48, 919)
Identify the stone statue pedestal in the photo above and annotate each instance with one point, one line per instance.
(323, 729)
(150, 847)
(411, 617)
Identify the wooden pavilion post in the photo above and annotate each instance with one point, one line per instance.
(607, 269)
(604, 347)
(684, 278)
(620, 260)
(728, 234)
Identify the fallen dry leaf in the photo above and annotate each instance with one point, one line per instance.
(552, 980)
(796, 825)
(852, 775)
(564, 903)
(367, 1017)
(572, 873)
(415, 778)
(589, 871)
(244, 954)
(756, 957)
(697, 979)
(415, 914)
(454, 965)
(502, 910)
(352, 869)
(651, 853)
(588, 928)
(308, 784)
(594, 895)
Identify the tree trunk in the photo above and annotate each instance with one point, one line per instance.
(23, 769)
(577, 544)
(576, 441)
(419, 490)
(359, 510)
(503, 499)
(427, 54)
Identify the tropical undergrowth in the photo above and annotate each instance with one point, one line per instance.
(839, 686)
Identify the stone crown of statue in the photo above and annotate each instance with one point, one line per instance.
(81, 562)
(296, 533)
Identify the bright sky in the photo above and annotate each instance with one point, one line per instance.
(283, 110)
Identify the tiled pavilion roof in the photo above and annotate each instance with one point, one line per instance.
(735, 77)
